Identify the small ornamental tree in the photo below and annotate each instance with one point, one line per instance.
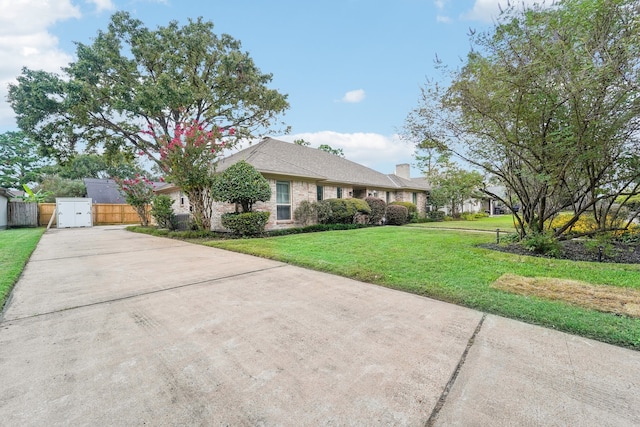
(138, 192)
(241, 184)
(188, 161)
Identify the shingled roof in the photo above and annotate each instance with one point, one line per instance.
(103, 191)
(275, 157)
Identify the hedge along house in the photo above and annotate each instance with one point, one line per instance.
(297, 173)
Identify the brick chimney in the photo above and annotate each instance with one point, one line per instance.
(403, 170)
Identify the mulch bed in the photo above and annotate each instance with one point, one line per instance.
(576, 250)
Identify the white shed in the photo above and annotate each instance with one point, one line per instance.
(73, 212)
(5, 195)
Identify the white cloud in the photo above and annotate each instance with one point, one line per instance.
(102, 5)
(354, 96)
(443, 19)
(440, 4)
(488, 10)
(25, 42)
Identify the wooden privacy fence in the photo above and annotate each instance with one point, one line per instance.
(103, 214)
(22, 214)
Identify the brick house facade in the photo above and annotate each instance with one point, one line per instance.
(297, 173)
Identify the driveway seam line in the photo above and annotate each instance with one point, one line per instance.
(3, 321)
(445, 393)
(107, 253)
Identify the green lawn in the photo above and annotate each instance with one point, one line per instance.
(503, 222)
(447, 265)
(16, 246)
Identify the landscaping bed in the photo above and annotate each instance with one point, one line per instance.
(580, 250)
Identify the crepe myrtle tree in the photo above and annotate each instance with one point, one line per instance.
(188, 161)
(131, 77)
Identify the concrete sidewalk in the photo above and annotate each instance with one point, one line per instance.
(107, 327)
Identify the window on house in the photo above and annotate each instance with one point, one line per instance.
(339, 191)
(320, 192)
(388, 197)
(181, 198)
(414, 197)
(283, 200)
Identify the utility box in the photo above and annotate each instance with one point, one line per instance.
(73, 212)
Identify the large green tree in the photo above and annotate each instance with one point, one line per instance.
(549, 102)
(131, 77)
(20, 162)
(453, 186)
(96, 166)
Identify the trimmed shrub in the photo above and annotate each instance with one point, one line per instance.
(412, 215)
(246, 223)
(342, 211)
(162, 212)
(323, 211)
(306, 213)
(313, 229)
(411, 207)
(397, 215)
(378, 207)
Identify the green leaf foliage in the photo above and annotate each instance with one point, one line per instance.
(378, 208)
(396, 215)
(547, 102)
(131, 76)
(20, 162)
(246, 223)
(241, 184)
(162, 212)
(341, 211)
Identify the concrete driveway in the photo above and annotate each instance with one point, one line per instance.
(107, 327)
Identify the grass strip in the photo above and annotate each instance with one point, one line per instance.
(16, 246)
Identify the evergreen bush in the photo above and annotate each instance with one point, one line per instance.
(396, 214)
(246, 223)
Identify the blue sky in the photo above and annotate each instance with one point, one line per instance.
(352, 68)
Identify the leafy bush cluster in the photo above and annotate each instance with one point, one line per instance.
(378, 209)
(473, 216)
(542, 243)
(306, 213)
(162, 212)
(436, 216)
(246, 223)
(411, 207)
(412, 210)
(341, 211)
(314, 228)
(397, 215)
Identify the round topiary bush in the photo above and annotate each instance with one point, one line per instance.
(378, 207)
(396, 215)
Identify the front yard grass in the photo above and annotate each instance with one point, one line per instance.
(16, 246)
(503, 222)
(447, 265)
